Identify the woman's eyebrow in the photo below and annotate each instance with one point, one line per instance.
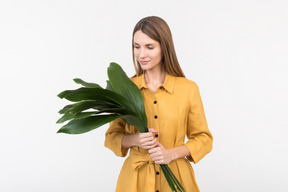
(148, 44)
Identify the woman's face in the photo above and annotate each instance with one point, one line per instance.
(147, 51)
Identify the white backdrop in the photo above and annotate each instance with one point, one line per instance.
(235, 50)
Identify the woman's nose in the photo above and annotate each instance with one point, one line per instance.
(142, 53)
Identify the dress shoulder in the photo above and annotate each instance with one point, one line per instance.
(183, 81)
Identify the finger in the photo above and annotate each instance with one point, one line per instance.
(152, 130)
(155, 145)
(146, 139)
(159, 144)
(153, 150)
(160, 162)
(153, 142)
(147, 134)
(151, 146)
(148, 147)
(156, 157)
(149, 143)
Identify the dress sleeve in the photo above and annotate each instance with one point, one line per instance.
(199, 137)
(114, 136)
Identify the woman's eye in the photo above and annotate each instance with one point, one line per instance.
(150, 47)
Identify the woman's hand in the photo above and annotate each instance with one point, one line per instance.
(161, 155)
(146, 140)
(143, 140)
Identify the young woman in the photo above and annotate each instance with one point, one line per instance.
(174, 110)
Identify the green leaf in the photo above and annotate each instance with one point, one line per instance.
(87, 124)
(67, 116)
(80, 115)
(86, 84)
(119, 111)
(66, 108)
(169, 180)
(125, 87)
(85, 114)
(175, 180)
(133, 120)
(109, 86)
(84, 105)
(98, 94)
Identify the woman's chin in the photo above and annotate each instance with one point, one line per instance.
(144, 67)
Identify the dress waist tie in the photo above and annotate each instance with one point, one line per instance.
(143, 159)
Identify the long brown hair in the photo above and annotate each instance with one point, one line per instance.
(157, 29)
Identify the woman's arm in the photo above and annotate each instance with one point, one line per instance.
(200, 139)
(114, 136)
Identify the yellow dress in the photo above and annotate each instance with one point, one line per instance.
(176, 111)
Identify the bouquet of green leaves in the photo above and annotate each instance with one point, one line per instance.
(95, 106)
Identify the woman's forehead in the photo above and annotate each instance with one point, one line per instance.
(142, 38)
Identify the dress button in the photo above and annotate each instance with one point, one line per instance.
(157, 190)
(161, 87)
(155, 116)
(155, 102)
(156, 135)
(157, 173)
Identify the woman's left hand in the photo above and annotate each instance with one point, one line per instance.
(161, 155)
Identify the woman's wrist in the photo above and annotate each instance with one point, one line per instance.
(128, 141)
(179, 152)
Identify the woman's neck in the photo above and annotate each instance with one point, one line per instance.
(155, 77)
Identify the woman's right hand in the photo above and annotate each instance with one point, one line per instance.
(146, 140)
(143, 140)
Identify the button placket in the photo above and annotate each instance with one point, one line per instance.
(154, 102)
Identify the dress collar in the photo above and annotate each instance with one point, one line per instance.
(168, 83)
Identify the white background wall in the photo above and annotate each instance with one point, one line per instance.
(236, 51)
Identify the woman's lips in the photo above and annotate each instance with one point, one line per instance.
(144, 62)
